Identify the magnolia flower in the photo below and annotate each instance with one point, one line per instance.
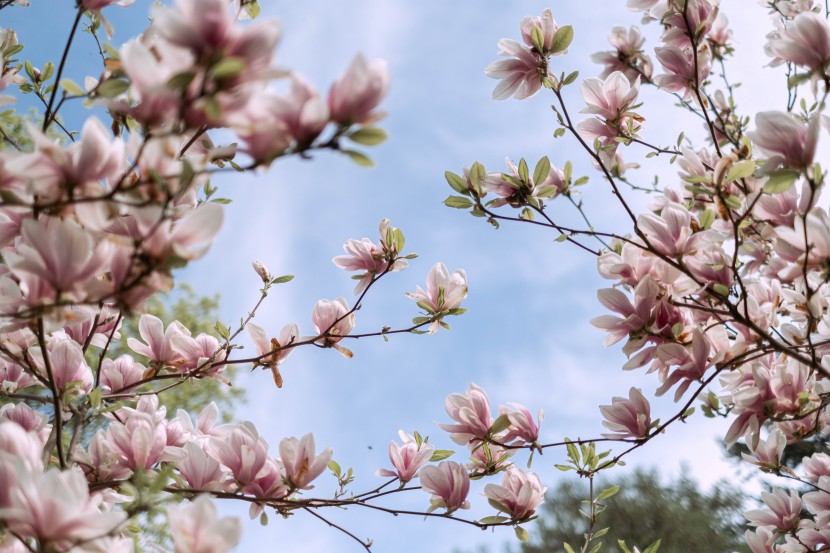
(274, 351)
(519, 494)
(444, 292)
(680, 65)
(55, 506)
(373, 259)
(611, 100)
(158, 344)
(805, 41)
(628, 55)
(522, 426)
(628, 418)
(242, 451)
(547, 27)
(471, 411)
(332, 320)
(767, 453)
(196, 528)
(782, 510)
(521, 75)
(407, 458)
(449, 485)
(355, 94)
(785, 140)
(300, 462)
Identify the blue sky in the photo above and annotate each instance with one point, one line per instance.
(526, 337)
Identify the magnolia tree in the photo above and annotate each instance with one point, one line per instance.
(720, 288)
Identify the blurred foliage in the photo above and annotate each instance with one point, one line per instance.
(685, 518)
(679, 513)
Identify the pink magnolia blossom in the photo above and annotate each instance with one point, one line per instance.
(611, 100)
(547, 28)
(120, 374)
(804, 41)
(301, 463)
(55, 507)
(766, 453)
(356, 94)
(522, 426)
(444, 292)
(816, 466)
(332, 320)
(242, 451)
(449, 485)
(407, 458)
(693, 17)
(519, 195)
(471, 411)
(627, 418)
(785, 140)
(158, 344)
(373, 259)
(521, 75)
(274, 351)
(140, 442)
(200, 470)
(197, 528)
(782, 510)
(519, 494)
(680, 73)
(488, 458)
(628, 56)
(202, 352)
(67, 364)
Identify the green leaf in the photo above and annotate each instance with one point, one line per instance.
(112, 88)
(562, 39)
(732, 202)
(688, 413)
(334, 467)
(522, 534)
(48, 71)
(457, 183)
(440, 455)
(600, 533)
(222, 330)
(608, 492)
(361, 159)
(780, 181)
(95, 398)
(721, 289)
(458, 202)
(568, 548)
(542, 170)
(706, 219)
(72, 88)
(523, 171)
(112, 51)
(282, 279)
(252, 8)
(477, 174)
(564, 468)
(537, 39)
(561, 238)
(570, 78)
(501, 423)
(228, 67)
(368, 136)
(180, 81)
(263, 518)
(30, 70)
(559, 133)
(740, 170)
(493, 520)
(623, 546)
(653, 547)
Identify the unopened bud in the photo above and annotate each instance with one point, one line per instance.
(262, 271)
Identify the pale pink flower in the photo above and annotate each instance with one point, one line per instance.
(120, 374)
(356, 94)
(471, 411)
(785, 140)
(273, 351)
(782, 510)
(200, 470)
(522, 426)
(197, 528)
(627, 418)
(519, 494)
(680, 73)
(202, 352)
(766, 453)
(17, 444)
(59, 252)
(301, 463)
(242, 451)
(140, 442)
(407, 458)
(761, 540)
(692, 362)
(547, 27)
(373, 259)
(521, 75)
(158, 344)
(611, 100)
(27, 418)
(449, 485)
(13, 377)
(628, 55)
(55, 507)
(332, 320)
(804, 41)
(693, 17)
(816, 466)
(810, 239)
(444, 292)
(526, 193)
(67, 363)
